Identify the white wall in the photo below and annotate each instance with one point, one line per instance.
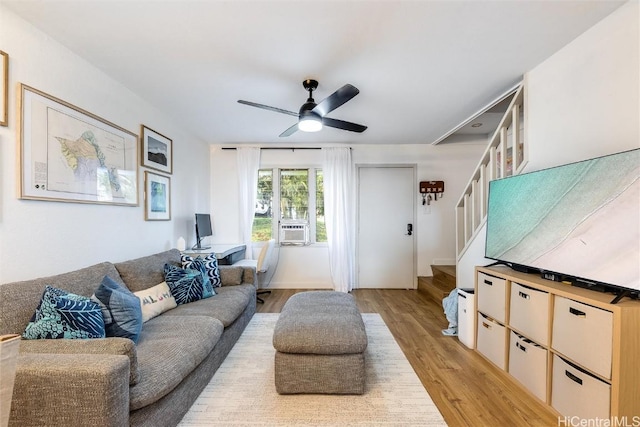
(580, 103)
(40, 238)
(308, 267)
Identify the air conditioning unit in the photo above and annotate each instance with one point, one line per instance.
(294, 232)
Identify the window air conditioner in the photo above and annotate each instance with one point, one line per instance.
(294, 232)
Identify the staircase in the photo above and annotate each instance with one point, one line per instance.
(441, 284)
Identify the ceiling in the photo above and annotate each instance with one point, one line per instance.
(422, 67)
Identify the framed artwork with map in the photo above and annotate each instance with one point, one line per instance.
(157, 197)
(70, 155)
(157, 150)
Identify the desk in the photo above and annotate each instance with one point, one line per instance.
(226, 253)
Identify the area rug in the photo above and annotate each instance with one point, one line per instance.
(242, 392)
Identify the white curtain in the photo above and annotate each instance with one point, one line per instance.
(339, 214)
(248, 159)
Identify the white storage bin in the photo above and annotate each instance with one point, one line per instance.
(584, 334)
(529, 312)
(575, 393)
(491, 340)
(528, 364)
(491, 296)
(466, 317)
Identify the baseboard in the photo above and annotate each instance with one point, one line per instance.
(298, 285)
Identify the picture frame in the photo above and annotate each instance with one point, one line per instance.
(157, 150)
(157, 197)
(4, 88)
(70, 155)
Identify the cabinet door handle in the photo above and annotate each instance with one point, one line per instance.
(573, 377)
(577, 312)
(488, 282)
(521, 347)
(486, 325)
(523, 295)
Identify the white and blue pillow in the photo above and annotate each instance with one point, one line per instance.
(121, 310)
(61, 314)
(210, 265)
(187, 285)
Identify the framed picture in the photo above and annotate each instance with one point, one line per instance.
(157, 197)
(4, 88)
(70, 155)
(157, 150)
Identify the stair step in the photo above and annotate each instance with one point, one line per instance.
(441, 284)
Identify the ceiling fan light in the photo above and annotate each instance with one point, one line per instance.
(310, 124)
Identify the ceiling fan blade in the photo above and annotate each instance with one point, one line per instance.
(289, 131)
(341, 124)
(336, 99)
(266, 107)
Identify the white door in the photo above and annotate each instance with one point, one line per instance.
(386, 251)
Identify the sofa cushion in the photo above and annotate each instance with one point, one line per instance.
(226, 306)
(142, 273)
(62, 314)
(115, 346)
(231, 276)
(120, 309)
(210, 264)
(20, 299)
(155, 301)
(170, 347)
(187, 285)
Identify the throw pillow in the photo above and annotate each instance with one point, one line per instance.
(211, 267)
(65, 315)
(120, 309)
(155, 301)
(187, 285)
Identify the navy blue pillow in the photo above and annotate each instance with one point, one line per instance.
(61, 314)
(121, 310)
(210, 263)
(187, 285)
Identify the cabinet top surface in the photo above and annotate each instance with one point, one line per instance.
(599, 299)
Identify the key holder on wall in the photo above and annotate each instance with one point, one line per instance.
(431, 190)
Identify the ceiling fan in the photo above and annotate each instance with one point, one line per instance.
(312, 116)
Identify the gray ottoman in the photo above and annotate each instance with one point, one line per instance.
(320, 342)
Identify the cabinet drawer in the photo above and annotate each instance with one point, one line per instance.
(491, 296)
(574, 393)
(491, 340)
(584, 334)
(528, 364)
(529, 312)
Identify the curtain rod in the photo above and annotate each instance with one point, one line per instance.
(281, 148)
(278, 148)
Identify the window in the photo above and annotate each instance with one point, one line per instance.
(289, 194)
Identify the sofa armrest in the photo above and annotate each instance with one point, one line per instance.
(71, 389)
(113, 346)
(238, 275)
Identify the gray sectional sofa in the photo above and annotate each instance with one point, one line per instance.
(112, 381)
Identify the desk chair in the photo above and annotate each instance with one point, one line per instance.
(262, 265)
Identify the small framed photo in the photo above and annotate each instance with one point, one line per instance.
(4, 88)
(157, 150)
(157, 197)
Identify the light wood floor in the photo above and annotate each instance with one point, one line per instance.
(467, 389)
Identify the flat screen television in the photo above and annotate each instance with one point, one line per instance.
(203, 229)
(579, 221)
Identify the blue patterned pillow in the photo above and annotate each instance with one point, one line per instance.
(187, 285)
(65, 315)
(210, 265)
(121, 310)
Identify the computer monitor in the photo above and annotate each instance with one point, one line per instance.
(203, 229)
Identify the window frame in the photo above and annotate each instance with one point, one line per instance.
(311, 196)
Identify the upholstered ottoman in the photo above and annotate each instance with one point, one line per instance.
(320, 342)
